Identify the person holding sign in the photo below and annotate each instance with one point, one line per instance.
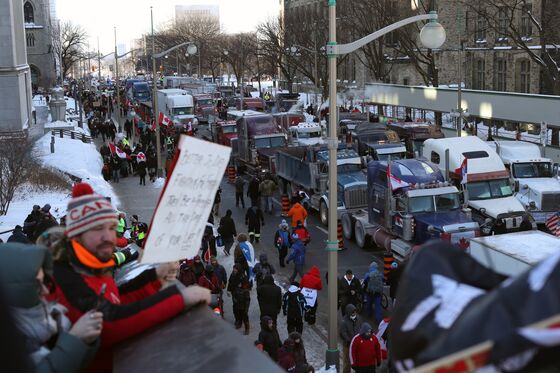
(84, 265)
(310, 284)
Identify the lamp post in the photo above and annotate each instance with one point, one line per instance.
(191, 49)
(432, 36)
(117, 82)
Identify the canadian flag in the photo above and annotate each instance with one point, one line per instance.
(462, 171)
(141, 157)
(396, 183)
(164, 120)
(116, 150)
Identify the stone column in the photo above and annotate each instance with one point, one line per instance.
(57, 105)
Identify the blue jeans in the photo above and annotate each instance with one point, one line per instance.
(268, 204)
(375, 300)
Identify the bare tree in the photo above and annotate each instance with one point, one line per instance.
(69, 41)
(15, 165)
(240, 51)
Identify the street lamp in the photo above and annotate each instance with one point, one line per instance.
(432, 36)
(191, 49)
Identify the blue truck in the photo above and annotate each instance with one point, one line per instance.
(409, 203)
(139, 92)
(304, 170)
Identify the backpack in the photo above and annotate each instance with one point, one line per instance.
(375, 283)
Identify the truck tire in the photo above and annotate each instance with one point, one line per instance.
(360, 234)
(347, 226)
(324, 213)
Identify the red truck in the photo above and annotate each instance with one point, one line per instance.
(226, 131)
(204, 107)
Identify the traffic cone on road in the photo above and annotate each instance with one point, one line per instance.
(285, 205)
(387, 262)
(231, 174)
(339, 235)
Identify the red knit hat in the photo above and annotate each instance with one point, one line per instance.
(87, 210)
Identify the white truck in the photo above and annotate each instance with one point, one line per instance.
(177, 105)
(486, 188)
(512, 253)
(535, 183)
(306, 134)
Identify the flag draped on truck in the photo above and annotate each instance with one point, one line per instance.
(553, 224)
(396, 183)
(462, 170)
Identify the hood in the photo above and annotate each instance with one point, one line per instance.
(365, 328)
(373, 266)
(495, 207)
(540, 184)
(352, 178)
(263, 258)
(264, 322)
(314, 271)
(293, 289)
(268, 280)
(442, 218)
(349, 309)
(312, 141)
(19, 264)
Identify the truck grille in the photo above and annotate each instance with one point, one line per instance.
(551, 201)
(355, 197)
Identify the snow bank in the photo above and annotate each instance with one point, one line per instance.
(160, 181)
(76, 158)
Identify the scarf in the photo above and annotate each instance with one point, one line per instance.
(88, 259)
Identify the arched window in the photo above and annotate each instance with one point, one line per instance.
(28, 13)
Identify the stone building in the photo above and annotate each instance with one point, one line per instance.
(38, 18)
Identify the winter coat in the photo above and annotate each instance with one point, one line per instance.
(19, 265)
(18, 236)
(282, 240)
(373, 280)
(212, 283)
(269, 338)
(303, 234)
(187, 276)
(128, 309)
(141, 169)
(254, 217)
(312, 279)
(299, 353)
(269, 296)
(297, 213)
(220, 271)
(267, 188)
(253, 189)
(298, 253)
(240, 288)
(286, 358)
(365, 352)
(263, 268)
(239, 184)
(227, 227)
(30, 225)
(345, 289)
(349, 328)
(293, 303)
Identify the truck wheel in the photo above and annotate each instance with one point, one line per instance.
(360, 234)
(347, 226)
(324, 213)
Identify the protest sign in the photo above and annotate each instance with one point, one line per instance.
(181, 215)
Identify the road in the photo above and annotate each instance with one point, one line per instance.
(141, 200)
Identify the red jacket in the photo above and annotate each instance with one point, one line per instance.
(312, 279)
(364, 352)
(127, 310)
(214, 284)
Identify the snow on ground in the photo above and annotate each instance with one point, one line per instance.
(76, 158)
(39, 100)
(160, 181)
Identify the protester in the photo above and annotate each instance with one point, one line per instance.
(394, 278)
(293, 307)
(198, 267)
(240, 289)
(31, 222)
(266, 189)
(373, 288)
(262, 269)
(349, 291)
(365, 352)
(286, 358)
(253, 191)
(269, 296)
(302, 366)
(84, 265)
(298, 256)
(141, 170)
(282, 242)
(269, 337)
(228, 231)
(211, 281)
(254, 219)
(217, 200)
(186, 273)
(219, 270)
(298, 213)
(349, 327)
(18, 235)
(244, 255)
(302, 232)
(239, 185)
(310, 284)
(121, 224)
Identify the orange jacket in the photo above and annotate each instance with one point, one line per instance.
(297, 213)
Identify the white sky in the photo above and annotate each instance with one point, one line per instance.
(132, 17)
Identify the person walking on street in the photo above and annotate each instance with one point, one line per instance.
(141, 169)
(263, 268)
(349, 291)
(311, 284)
(244, 255)
(286, 358)
(239, 185)
(298, 256)
(302, 366)
(348, 328)
(186, 273)
(269, 337)
(115, 167)
(282, 242)
(365, 352)
(267, 188)
(217, 200)
(293, 307)
(240, 289)
(253, 219)
(298, 213)
(269, 296)
(253, 191)
(219, 270)
(227, 230)
(302, 232)
(373, 288)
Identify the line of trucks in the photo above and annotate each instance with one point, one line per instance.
(387, 198)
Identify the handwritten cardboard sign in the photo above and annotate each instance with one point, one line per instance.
(180, 218)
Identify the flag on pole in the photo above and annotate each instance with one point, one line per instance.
(462, 171)
(116, 150)
(553, 224)
(396, 183)
(164, 120)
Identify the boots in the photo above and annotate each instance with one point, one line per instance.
(247, 327)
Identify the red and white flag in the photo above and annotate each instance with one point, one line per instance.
(141, 157)
(553, 224)
(462, 171)
(396, 183)
(164, 120)
(116, 150)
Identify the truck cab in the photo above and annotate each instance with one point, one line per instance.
(203, 107)
(376, 142)
(141, 92)
(177, 105)
(306, 134)
(477, 170)
(226, 131)
(535, 184)
(413, 135)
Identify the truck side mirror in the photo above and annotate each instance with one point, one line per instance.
(516, 186)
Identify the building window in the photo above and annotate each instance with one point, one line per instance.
(523, 76)
(503, 22)
(480, 28)
(526, 25)
(30, 39)
(28, 13)
(479, 67)
(500, 75)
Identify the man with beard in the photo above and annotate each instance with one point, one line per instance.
(83, 274)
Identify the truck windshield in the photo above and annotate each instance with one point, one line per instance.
(229, 129)
(393, 156)
(205, 102)
(269, 142)
(440, 202)
(309, 135)
(489, 189)
(182, 111)
(529, 170)
(348, 168)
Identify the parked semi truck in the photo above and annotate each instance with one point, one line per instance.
(535, 183)
(203, 107)
(409, 203)
(512, 253)
(177, 105)
(413, 135)
(478, 171)
(305, 169)
(376, 141)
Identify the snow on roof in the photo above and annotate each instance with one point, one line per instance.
(530, 247)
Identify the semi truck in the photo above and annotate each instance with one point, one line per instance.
(474, 167)
(226, 131)
(306, 134)
(203, 107)
(409, 203)
(177, 105)
(140, 92)
(305, 169)
(534, 180)
(512, 253)
(375, 141)
(413, 135)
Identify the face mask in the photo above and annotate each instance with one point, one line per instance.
(353, 317)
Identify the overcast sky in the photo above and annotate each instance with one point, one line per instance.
(132, 17)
